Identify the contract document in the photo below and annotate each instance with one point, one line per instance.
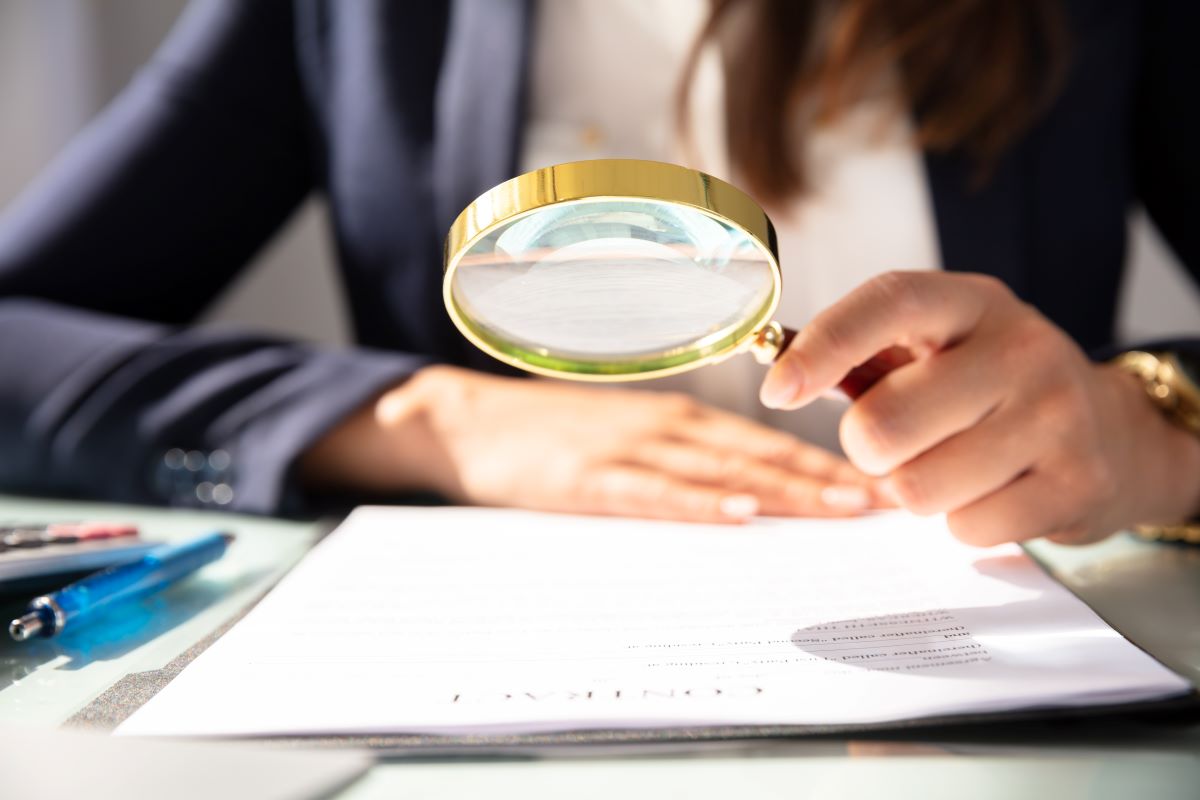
(477, 621)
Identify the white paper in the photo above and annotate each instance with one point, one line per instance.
(471, 620)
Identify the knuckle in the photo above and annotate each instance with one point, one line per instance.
(1074, 440)
(868, 437)
(653, 453)
(678, 404)
(730, 468)
(1037, 342)
(911, 488)
(777, 447)
(992, 285)
(781, 454)
(656, 491)
(696, 504)
(1064, 411)
(1097, 482)
(973, 529)
(1027, 339)
(591, 492)
(902, 292)
(1069, 485)
(1030, 361)
(1107, 484)
(826, 336)
(1072, 535)
(678, 408)
(1070, 401)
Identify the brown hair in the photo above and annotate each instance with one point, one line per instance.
(975, 73)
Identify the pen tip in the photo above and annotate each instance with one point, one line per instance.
(228, 537)
(24, 628)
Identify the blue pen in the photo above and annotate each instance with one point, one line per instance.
(49, 614)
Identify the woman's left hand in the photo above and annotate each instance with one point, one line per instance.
(999, 420)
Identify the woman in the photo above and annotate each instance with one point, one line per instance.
(1006, 139)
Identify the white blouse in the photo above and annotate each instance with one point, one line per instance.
(604, 80)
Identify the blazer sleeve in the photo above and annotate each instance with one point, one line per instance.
(128, 235)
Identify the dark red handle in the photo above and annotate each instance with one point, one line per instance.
(865, 375)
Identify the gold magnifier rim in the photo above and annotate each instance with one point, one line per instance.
(606, 180)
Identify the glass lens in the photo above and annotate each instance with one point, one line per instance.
(611, 285)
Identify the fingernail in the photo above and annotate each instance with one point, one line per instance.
(739, 506)
(782, 384)
(850, 498)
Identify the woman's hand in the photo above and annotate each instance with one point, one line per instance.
(481, 439)
(999, 420)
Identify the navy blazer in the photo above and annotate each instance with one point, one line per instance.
(400, 114)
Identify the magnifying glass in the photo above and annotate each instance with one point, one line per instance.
(614, 270)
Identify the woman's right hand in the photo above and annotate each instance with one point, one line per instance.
(487, 440)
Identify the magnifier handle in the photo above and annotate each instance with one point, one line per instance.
(867, 374)
(859, 379)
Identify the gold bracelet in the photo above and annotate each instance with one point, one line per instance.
(1166, 385)
(1188, 534)
(1178, 399)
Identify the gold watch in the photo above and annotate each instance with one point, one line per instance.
(1172, 382)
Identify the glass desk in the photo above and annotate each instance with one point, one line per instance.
(1150, 592)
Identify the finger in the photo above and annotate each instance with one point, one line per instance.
(922, 312)
(1029, 507)
(1080, 534)
(730, 432)
(918, 406)
(1076, 535)
(639, 492)
(779, 491)
(721, 430)
(953, 474)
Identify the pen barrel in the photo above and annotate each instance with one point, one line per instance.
(160, 567)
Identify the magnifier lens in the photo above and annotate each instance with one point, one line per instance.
(613, 285)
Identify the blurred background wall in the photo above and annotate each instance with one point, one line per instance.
(62, 60)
